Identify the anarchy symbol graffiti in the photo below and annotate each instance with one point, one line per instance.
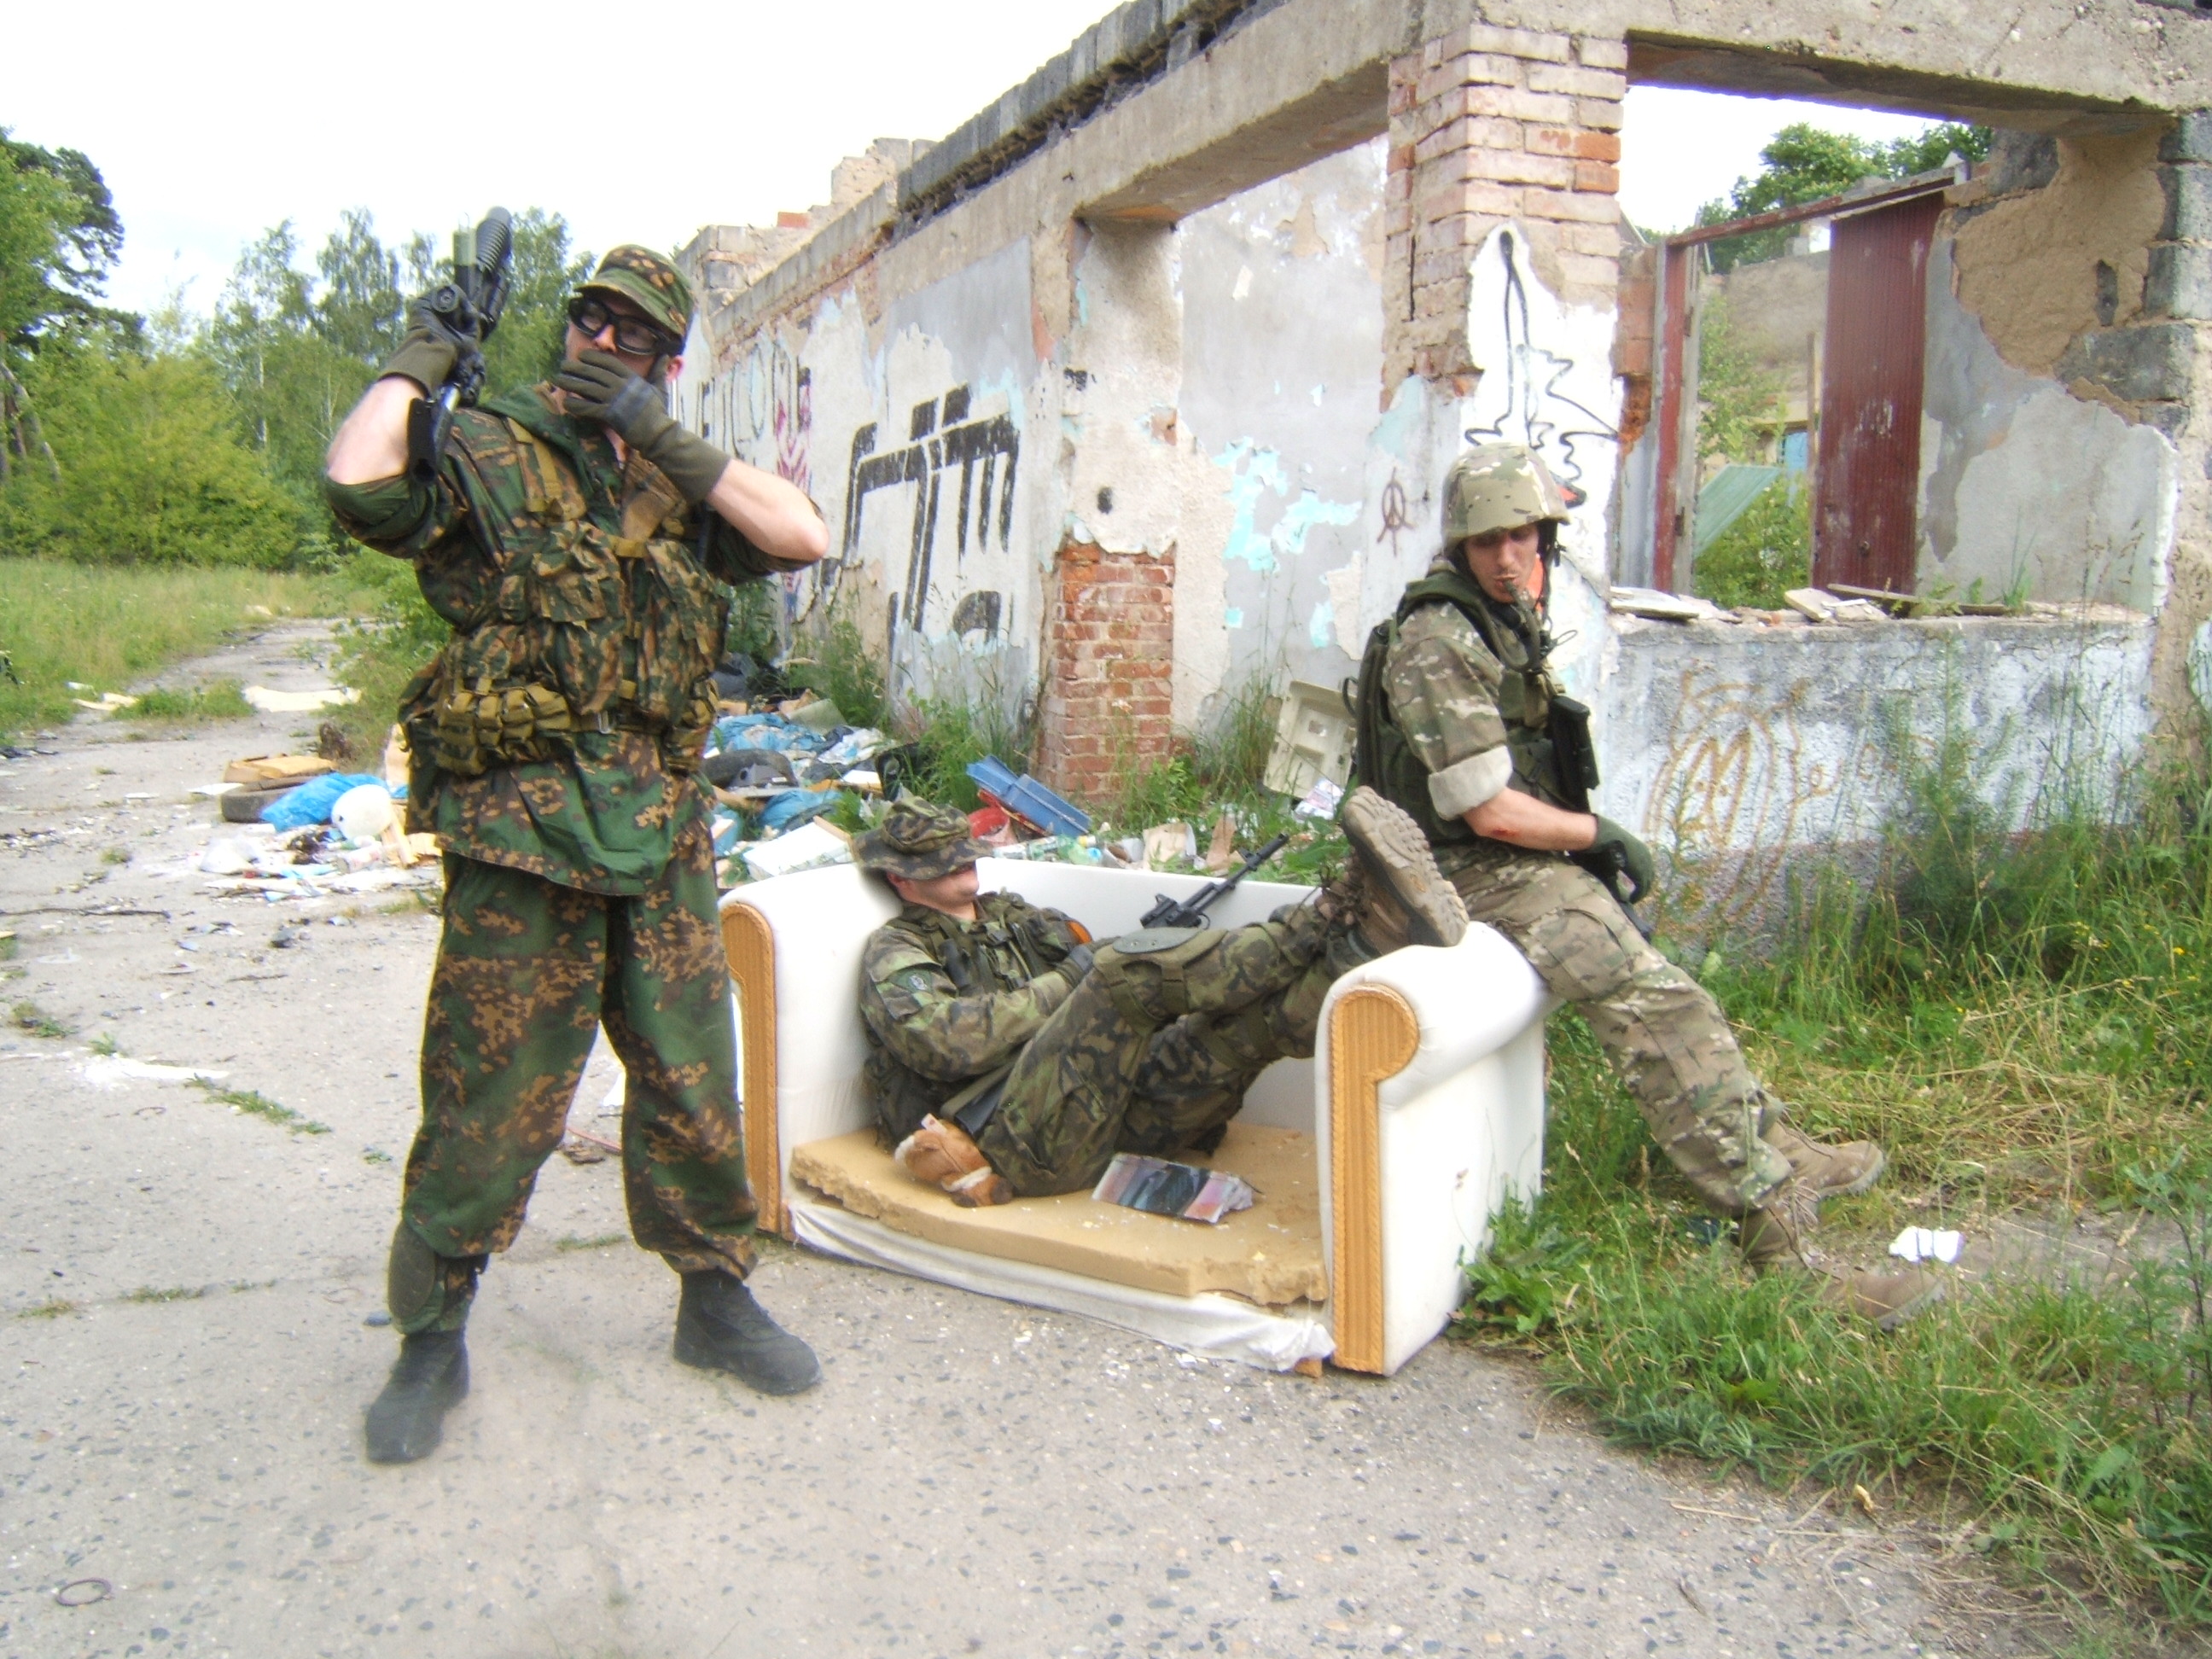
(1396, 518)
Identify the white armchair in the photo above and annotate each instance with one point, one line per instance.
(1425, 1101)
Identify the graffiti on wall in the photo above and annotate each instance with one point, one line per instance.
(762, 408)
(978, 458)
(1541, 386)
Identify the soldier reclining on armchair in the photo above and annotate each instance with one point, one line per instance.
(1007, 1058)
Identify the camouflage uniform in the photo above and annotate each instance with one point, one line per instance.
(1150, 1050)
(555, 739)
(1464, 687)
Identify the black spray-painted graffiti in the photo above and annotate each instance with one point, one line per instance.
(941, 437)
(1536, 412)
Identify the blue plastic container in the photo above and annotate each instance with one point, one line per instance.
(1027, 798)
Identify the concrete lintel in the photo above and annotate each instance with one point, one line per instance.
(1820, 78)
(1332, 116)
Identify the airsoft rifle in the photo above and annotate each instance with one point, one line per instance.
(1191, 912)
(469, 307)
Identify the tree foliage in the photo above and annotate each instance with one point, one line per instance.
(202, 438)
(1805, 163)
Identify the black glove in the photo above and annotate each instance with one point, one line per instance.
(601, 387)
(1615, 853)
(432, 344)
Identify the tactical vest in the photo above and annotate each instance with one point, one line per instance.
(1009, 944)
(1384, 761)
(584, 631)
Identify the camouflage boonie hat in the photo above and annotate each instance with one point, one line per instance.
(919, 840)
(649, 283)
(1499, 487)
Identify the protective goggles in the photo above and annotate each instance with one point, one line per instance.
(633, 335)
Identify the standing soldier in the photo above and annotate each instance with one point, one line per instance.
(1456, 725)
(582, 544)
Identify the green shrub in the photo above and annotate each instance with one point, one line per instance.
(151, 471)
(1767, 551)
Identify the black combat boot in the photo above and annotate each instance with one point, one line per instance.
(430, 1377)
(720, 1328)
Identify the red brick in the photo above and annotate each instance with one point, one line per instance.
(1604, 240)
(1597, 175)
(1484, 37)
(1479, 198)
(1481, 132)
(1588, 207)
(1475, 69)
(1573, 141)
(1600, 113)
(1576, 81)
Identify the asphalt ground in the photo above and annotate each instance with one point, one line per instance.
(185, 1355)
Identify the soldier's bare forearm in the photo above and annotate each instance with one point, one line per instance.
(1522, 820)
(774, 514)
(372, 444)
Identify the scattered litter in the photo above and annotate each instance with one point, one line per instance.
(1164, 843)
(107, 703)
(1313, 734)
(820, 716)
(363, 813)
(1221, 851)
(806, 847)
(1818, 604)
(1158, 1186)
(112, 1070)
(1025, 799)
(299, 703)
(1928, 1244)
(1321, 801)
(275, 768)
(311, 803)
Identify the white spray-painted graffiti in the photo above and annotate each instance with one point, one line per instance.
(1540, 386)
(766, 401)
(941, 436)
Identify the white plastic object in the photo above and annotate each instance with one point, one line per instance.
(363, 812)
(1928, 1244)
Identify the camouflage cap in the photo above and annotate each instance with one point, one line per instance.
(919, 841)
(649, 283)
(1499, 487)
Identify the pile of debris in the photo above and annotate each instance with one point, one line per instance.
(300, 828)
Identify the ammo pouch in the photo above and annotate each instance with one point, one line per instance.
(682, 745)
(1573, 756)
(475, 729)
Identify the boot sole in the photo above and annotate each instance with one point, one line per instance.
(703, 1356)
(1396, 851)
(448, 1395)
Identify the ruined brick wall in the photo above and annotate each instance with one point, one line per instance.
(1106, 715)
(1490, 125)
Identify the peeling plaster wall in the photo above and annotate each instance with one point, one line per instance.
(1733, 748)
(1282, 352)
(2029, 486)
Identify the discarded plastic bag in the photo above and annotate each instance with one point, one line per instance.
(311, 803)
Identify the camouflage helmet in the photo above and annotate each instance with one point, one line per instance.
(648, 281)
(1499, 487)
(919, 841)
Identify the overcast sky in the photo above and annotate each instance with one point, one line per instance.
(213, 119)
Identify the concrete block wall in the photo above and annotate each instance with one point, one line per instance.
(1488, 125)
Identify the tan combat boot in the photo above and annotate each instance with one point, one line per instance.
(1831, 1171)
(1773, 1237)
(942, 1155)
(1402, 899)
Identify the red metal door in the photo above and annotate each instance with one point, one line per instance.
(1866, 481)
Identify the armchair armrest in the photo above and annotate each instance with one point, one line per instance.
(1430, 1064)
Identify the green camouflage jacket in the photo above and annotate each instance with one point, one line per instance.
(947, 1002)
(556, 732)
(1471, 703)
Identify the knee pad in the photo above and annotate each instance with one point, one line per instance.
(424, 1290)
(1144, 971)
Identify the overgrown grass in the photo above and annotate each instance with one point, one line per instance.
(394, 636)
(218, 699)
(2024, 1022)
(106, 626)
(29, 1016)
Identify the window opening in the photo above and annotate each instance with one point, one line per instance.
(1792, 355)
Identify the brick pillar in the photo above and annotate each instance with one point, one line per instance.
(1106, 712)
(1490, 125)
(2170, 367)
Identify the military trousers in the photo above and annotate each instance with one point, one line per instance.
(1665, 1035)
(527, 972)
(1154, 1049)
